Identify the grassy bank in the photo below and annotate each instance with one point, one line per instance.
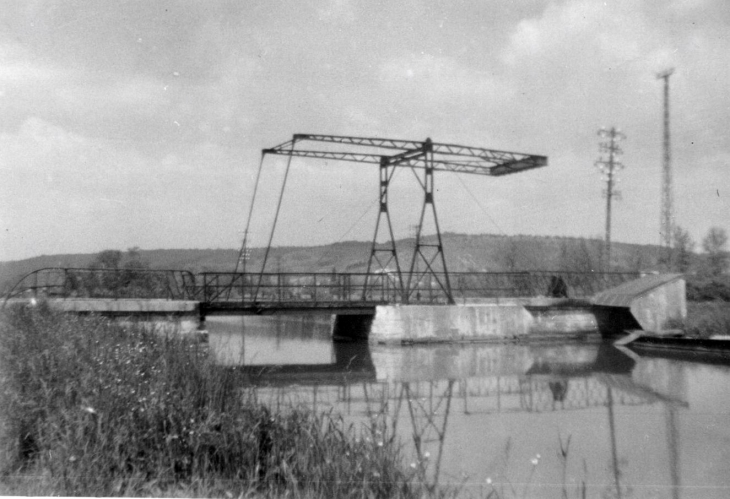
(93, 408)
(705, 319)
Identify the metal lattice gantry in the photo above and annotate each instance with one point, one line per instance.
(428, 263)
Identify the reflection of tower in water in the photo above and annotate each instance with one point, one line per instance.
(559, 389)
(678, 380)
(429, 415)
(422, 389)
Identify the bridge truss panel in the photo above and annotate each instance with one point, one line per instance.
(446, 157)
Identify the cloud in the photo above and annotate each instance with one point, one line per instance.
(337, 11)
(112, 95)
(151, 113)
(591, 33)
(439, 77)
(16, 68)
(63, 191)
(91, 102)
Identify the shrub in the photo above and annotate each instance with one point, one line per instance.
(714, 289)
(707, 319)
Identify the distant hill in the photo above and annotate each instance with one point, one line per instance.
(464, 253)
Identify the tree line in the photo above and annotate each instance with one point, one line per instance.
(707, 273)
(113, 273)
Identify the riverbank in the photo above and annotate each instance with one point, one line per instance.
(94, 408)
(705, 319)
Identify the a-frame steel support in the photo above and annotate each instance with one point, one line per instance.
(386, 174)
(430, 254)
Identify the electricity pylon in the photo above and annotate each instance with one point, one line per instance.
(609, 168)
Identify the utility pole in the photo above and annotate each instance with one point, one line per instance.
(244, 254)
(609, 168)
(667, 214)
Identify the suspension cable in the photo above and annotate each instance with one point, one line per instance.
(376, 201)
(250, 212)
(489, 216)
(273, 225)
(326, 253)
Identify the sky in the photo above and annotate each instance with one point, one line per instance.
(141, 124)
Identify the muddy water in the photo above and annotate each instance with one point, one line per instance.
(539, 420)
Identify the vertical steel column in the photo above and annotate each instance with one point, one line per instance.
(386, 174)
(667, 208)
(273, 225)
(428, 201)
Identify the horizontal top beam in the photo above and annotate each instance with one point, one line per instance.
(447, 157)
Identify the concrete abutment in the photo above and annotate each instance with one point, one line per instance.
(650, 303)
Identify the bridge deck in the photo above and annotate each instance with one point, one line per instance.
(140, 291)
(125, 306)
(270, 307)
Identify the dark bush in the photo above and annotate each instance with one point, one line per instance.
(713, 289)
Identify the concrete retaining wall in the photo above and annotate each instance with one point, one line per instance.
(649, 303)
(653, 301)
(477, 322)
(658, 307)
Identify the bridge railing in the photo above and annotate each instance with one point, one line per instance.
(466, 285)
(298, 287)
(58, 282)
(305, 288)
(384, 287)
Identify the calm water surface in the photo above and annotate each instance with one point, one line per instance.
(522, 420)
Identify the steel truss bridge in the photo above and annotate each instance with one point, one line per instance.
(385, 281)
(237, 292)
(428, 262)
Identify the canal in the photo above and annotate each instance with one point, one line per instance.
(581, 419)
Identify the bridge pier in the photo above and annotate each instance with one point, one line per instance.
(494, 320)
(649, 303)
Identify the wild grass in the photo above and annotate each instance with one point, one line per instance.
(94, 408)
(705, 319)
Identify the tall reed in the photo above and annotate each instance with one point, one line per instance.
(95, 408)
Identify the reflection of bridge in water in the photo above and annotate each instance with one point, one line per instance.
(427, 389)
(359, 375)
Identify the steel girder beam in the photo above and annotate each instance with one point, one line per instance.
(447, 157)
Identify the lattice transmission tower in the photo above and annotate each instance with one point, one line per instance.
(609, 167)
(667, 213)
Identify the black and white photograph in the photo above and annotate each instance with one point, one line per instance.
(365, 249)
